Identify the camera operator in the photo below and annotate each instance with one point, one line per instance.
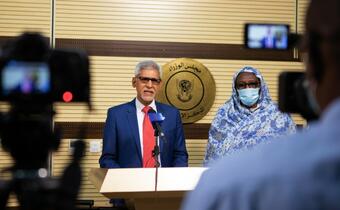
(27, 131)
(300, 171)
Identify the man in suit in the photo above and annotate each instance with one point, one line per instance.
(125, 138)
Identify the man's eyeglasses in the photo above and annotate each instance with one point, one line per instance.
(145, 80)
(243, 85)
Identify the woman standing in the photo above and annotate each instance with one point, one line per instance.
(248, 118)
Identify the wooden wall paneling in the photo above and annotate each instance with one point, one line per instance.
(61, 159)
(301, 13)
(173, 49)
(17, 16)
(5, 162)
(196, 150)
(213, 21)
(111, 84)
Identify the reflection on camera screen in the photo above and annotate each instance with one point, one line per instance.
(267, 36)
(20, 77)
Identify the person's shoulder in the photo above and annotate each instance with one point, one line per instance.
(286, 157)
(121, 107)
(166, 106)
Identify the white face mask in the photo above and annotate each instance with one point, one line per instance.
(249, 96)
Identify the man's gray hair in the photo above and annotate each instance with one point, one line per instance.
(148, 64)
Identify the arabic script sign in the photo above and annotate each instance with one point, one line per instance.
(189, 86)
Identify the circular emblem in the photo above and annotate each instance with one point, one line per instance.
(188, 86)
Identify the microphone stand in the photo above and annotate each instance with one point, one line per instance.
(155, 119)
(155, 154)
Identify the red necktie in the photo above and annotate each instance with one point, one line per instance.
(148, 140)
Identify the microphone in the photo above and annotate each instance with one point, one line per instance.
(156, 119)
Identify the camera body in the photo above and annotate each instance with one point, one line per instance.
(31, 72)
(32, 77)
(290, 89)
(295, 96)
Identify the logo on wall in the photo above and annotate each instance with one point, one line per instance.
(189, 86)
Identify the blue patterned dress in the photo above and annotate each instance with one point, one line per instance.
(237, 128)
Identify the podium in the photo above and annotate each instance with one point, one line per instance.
(140, 187)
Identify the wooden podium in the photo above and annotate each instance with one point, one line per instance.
(138, 185)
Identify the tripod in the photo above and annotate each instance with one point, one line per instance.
(36, 191)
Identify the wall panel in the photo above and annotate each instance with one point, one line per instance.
(62, 158)
(5, 162)
(111, 84)
(301, 12)
(173, 20)
(17, 16)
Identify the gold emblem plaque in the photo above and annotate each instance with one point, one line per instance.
(188, 86)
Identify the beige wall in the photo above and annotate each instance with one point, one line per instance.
(24, 15)
(215, 21)
(198, 21)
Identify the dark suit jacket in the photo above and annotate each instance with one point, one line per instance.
(121, 144)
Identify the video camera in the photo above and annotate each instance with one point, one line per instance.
(32, 72)
(32, 77)
(294, 93)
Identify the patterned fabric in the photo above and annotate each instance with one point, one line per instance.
(237, 128)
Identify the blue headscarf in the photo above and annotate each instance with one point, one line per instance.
(236, 128)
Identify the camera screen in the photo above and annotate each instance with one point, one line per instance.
(25, 78)
(266, 36)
